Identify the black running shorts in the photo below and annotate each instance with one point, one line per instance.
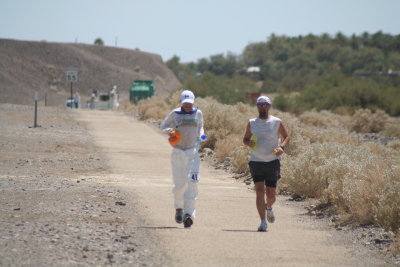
(268, 172)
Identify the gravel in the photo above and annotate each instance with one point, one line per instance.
(55, 206)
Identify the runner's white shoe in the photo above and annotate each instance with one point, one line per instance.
(270, 215)
(263, 226)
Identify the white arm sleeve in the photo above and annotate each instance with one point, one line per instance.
(167, 125)
(201, 124)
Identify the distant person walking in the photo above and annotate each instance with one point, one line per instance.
(77, 100)
(263, 137)
(185, 127)
(92, 100)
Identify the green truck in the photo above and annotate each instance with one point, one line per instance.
(141, 89)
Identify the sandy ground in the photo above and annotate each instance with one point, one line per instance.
(94, 188)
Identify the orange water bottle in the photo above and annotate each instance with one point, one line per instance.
(174, 137)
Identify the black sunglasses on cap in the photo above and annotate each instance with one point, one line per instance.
(262, 104)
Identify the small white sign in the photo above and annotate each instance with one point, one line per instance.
(72, 75)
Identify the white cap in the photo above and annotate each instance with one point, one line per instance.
(187, 97)
(263, 99)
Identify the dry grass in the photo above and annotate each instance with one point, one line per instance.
(348, 176)
(394, 145)
(387, 214)
(323, 118)
(364, 121)
(153, 108)
(392, 129)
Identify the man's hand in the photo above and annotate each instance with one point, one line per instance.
(278, 151)
(251, 143)
(168, 131)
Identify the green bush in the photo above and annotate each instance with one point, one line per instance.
(224, 89)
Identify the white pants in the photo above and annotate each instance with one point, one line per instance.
(185, 174)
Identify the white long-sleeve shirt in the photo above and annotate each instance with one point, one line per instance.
(189, 124)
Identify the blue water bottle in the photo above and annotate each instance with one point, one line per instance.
(202, 138)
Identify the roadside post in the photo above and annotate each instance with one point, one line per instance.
(45, 98)
(36, 100)
(72, 76)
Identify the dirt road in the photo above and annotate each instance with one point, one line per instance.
(224, 231)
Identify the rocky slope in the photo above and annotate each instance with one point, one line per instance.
(28, 66)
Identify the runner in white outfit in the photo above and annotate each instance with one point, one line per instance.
(185, 158)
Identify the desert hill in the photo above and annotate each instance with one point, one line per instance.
(27, 66)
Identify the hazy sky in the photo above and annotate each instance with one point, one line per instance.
(191, 29)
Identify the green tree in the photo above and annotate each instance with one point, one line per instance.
(323, 69)
(223, 88)
(174, 65)
(99, 41)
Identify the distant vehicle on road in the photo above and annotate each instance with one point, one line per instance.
(106, 101)
(69, 103)
(141, 89)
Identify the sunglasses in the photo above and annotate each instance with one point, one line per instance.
(262, 105)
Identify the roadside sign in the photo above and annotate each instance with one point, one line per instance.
(72, 75)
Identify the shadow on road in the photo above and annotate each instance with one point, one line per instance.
(235, 230)
(159, 227)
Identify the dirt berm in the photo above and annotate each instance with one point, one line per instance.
(93, 188)
(29, 66)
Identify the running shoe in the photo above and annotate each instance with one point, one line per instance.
(270, 215)
(187, 221)
(263, 226)
(179, 215)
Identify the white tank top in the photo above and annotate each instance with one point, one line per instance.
(267, 132)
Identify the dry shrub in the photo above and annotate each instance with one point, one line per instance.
(364, 121)
(392, 130)
(332, 134)
(395, 145)
(221, 120)
(126, 106)
(344, 111)
(395, 246)
(385, 152)
(323, 118)
(153, 108)
(388, 207)
(240, 160)
(296, 130)
(345, 175)
(245, 110)
(231, 147)
(299, 172)
(226, 146)
(175, 98)
(354, 194)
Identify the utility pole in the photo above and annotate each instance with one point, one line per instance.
(36, 100)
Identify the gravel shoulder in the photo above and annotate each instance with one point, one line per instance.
(55, 209)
